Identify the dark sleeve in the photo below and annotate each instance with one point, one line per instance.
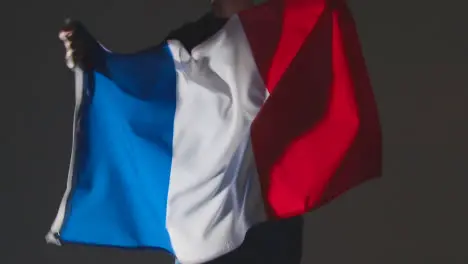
(192, 34)
(113, 65)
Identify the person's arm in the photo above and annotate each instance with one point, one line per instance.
(126, 70)
(82, 50)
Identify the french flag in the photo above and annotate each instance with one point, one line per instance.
(271, 117)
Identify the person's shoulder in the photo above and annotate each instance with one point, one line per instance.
(191, 26)
(192, 33)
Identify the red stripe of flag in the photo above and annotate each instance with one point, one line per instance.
(318, 134)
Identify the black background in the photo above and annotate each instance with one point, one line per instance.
(417, 54)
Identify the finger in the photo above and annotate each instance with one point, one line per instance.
(69, 60)
(70, 64)
(65, 35)
(69, 29)
(69, 54)
(75, 44)
(73, 58)
(68, 44)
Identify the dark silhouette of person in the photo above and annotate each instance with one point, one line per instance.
(274, 242)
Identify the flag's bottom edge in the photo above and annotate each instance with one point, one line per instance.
(58, 241)
(55, 239)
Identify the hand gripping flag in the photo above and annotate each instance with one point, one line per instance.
(271, 117)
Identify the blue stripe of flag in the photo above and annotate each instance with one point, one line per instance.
(124, 154)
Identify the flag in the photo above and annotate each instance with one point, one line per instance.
(271, 117)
